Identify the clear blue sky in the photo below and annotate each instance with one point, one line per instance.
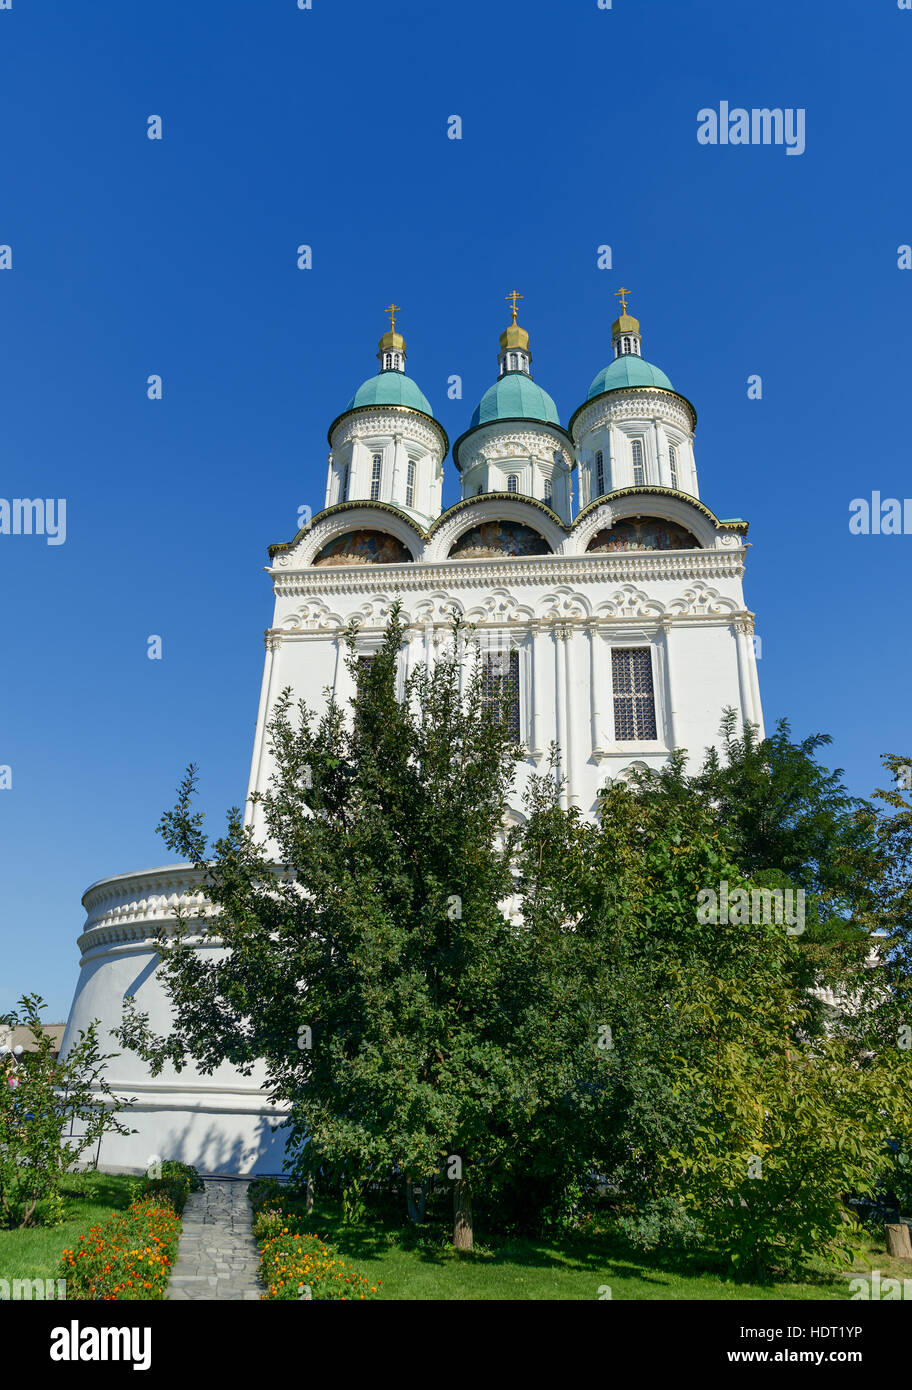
(328, 127)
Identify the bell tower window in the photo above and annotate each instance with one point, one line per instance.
(512, 483)
(410, 484)
(599, 472)
(376, 465)
(639, 476)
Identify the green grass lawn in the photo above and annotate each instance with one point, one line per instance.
(34, 1253)
(416, 1265)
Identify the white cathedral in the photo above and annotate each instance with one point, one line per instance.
(619, 632)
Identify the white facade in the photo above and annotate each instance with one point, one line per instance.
(628, 622)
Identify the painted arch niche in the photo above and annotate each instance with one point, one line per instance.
(491, 539)
(645, 533)
(363, 548)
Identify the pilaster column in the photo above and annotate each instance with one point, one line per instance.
(253, 814)
(540, 664)
(596, 693)
(397, 483)
(567, 638)
(740, 626)
(661, 479)
(670, 685)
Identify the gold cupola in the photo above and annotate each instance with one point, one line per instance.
(514, 355)
(625, 331)
(391, 347)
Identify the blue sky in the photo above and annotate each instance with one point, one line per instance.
(328, 127)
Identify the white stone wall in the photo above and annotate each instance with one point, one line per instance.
(221, 1122)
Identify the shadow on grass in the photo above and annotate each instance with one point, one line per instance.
(603, 1252)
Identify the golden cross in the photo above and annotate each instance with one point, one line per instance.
(622, 295)
(514, 295)
(393, 310)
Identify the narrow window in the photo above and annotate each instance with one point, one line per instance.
(634, 704)
(344, 496)
(376, 465)
(639, 477)
(626, 345)
(500, 688)
(673, 464)
(512, 483)
(599, 473)
(410, 485)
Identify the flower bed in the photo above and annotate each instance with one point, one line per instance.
(129, 1256)
(297, 1265)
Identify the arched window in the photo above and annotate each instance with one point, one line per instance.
(410, 484)
(639, 476)
(376, 465)
(599, 473)
(549, 493)
(673, 464)
(626, 345)
(512, 483)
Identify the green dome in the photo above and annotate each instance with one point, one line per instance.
(515, 396)
(391, 388)
(628, 370)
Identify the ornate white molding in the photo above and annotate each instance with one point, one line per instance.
(700, 599)
(446, 575)
(390, 423)
(492, 443)
(644, 403)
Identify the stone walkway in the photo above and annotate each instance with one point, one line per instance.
(217, 1256)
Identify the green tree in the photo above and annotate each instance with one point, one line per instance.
(369, 974)
(42, 1099)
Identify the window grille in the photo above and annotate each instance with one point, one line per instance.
(500, 688)
(634, 701)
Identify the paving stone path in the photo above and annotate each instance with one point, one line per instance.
(217, 1256)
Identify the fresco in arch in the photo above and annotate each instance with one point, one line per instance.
(494, 538)
(649, 533)
(363, 548)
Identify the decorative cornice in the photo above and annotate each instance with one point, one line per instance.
(390, 417)
(647, 401)
(516, 428)
(539, 570)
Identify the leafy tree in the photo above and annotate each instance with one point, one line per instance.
(715, 1112)
(41, 1099)
(370, 975)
